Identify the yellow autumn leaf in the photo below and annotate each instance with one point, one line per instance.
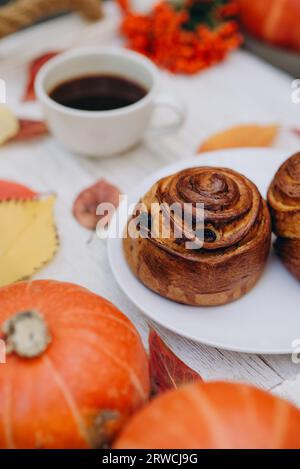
(28, 237)
(9, 124)
(241, 136)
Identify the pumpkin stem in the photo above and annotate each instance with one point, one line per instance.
(26, 334)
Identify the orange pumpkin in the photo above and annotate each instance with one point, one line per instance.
(76, 367)
(275, 21)
(214, 416)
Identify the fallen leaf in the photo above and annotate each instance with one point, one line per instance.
(9, 125)
(28, 237)
(33, 69)
(167, 371)
(86, 203)
(13, 190)
(296, 132)
(241, 136)
(30, 129)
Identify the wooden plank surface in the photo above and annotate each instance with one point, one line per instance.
(243, 89)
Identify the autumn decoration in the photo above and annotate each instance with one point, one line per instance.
(183, 36)
(86, 203)
(296, 132)
(274, 21)
(215, 415)
(13, 190)
(9, 125)
(28, 237)
(100, 390)
(167, 371)
(33, 69)
(14, 129)
(75, 367)
(77, 375)
(30, 129)
(247, 135)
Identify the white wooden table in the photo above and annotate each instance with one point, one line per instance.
(242, 89)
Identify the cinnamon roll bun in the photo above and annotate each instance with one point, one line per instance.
(219, 255)
(284, 203)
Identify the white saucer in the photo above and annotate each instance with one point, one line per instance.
(266, 320)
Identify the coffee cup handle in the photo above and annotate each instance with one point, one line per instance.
(177, 108)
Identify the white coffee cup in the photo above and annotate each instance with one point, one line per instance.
(103, 133)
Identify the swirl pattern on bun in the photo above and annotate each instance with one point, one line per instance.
(228, 252)
(284, 203)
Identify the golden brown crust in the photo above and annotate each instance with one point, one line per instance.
(237, 232)
(284, 198)
(284, 203)
(288, 249)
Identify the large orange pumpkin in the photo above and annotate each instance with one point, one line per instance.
(76, 367)
(214, 416)
(275, 21)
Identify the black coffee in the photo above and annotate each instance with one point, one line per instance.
(98, 93)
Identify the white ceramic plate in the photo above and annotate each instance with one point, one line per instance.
(266, 320)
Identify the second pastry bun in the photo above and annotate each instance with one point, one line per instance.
(284, 203)
(284, 198)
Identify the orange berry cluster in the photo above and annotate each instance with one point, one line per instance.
(162, 37)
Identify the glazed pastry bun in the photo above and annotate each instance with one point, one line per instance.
(284, 203)
(214, 265)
